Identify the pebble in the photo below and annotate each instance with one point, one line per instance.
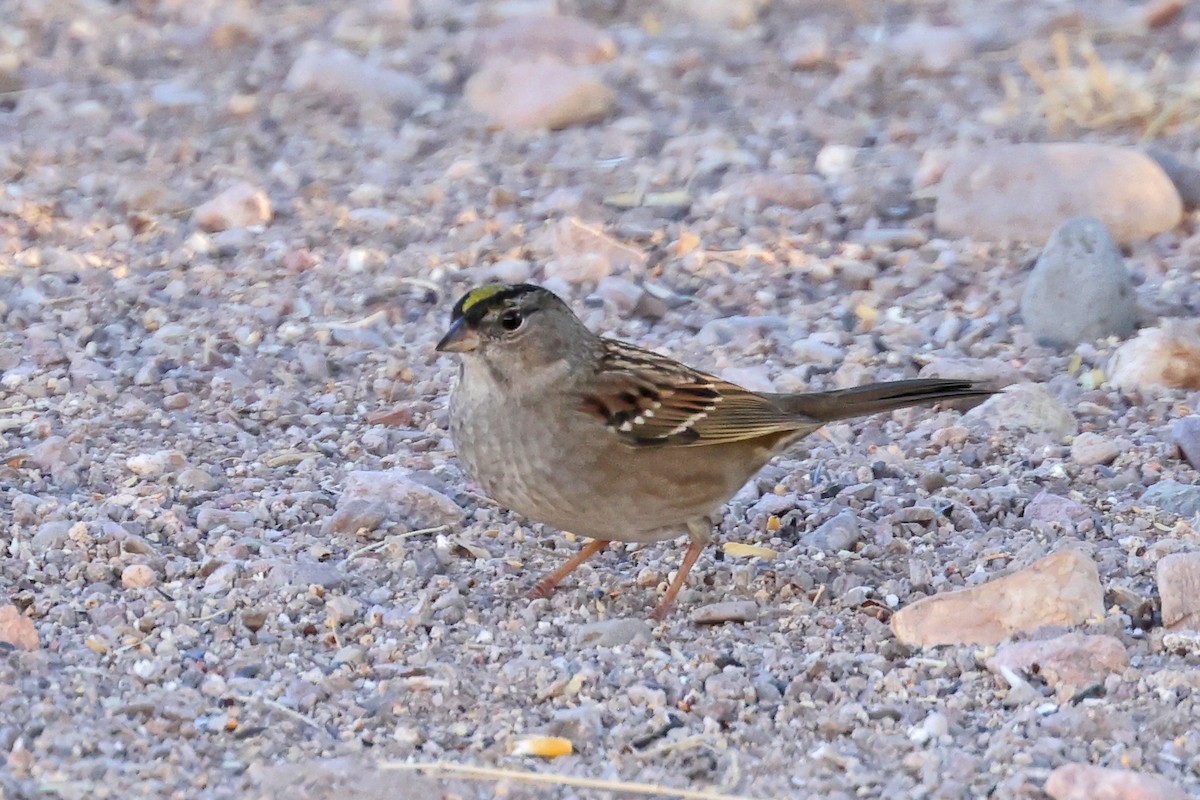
(614, 632)
(17, 630)
(786, 190)
(931, 49)
(837, 534)
(1090, 782)
(137, 576)
(719, 14)
(806, 47)
(726, 611)
(1080, 289)
(1090, 449)
(239, 206)
(338, 74)
(405, 500)
(1047, 507)
(542, 94)
(585, 253)
(620, 294)
(160, 463)
(209, 519)
(510, 270)
(1026, 406)
(568, 39)
(356, 517)
(1068, 663)
(1060, 589)
(1024, 191)
(1167, 357)
(1185, 433)
(1177, 498)
(1178, 578)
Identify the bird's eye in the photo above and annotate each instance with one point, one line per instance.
(511, 319)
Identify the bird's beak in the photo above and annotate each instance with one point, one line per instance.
(459, 339)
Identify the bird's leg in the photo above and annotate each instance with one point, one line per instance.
(700, 534)
(548, 584)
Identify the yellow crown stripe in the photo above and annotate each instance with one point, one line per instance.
(477, 296)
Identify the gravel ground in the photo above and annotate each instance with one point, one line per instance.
(181, 405)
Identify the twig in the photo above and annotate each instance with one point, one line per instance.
(275, 705)
(19, 409)
(388, 540)
(495, 774)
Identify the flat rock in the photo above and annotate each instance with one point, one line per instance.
(1089, 782)
(727, 611)
(1178, 577)
(543, 94)
(17, 630)
(1024, 191)
(1178, 498)
(1068, 663)
(239, 206)
(998, 373)
(1047, 507)
(1080, 289)
(1185, 433)
(1159, 358)
(1091, 448)
(614, 632)
(406, 500)
(337, 74)
(568, 39)
(1061, 589)
(1026, 406)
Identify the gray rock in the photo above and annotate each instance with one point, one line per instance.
(1080, 289)
(837, 534)
(1186, 435)
(1178, 498)
(613, 632)
(1185, 176)
(583, 725)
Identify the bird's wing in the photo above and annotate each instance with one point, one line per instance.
(650, 400)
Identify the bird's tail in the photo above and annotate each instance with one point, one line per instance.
(875, 398)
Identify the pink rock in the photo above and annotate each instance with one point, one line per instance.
(1089, 782)
(542, 94)
(1060, 589)
(1069, 662)
(568, 39)
(239, 206)
(1158, 358)
(1046, 507)
(1025, 191)
(17, 630)
(1178, 577)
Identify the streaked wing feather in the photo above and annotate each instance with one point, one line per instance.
(649, 400)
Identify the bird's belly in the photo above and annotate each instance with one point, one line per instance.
(607, 492)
